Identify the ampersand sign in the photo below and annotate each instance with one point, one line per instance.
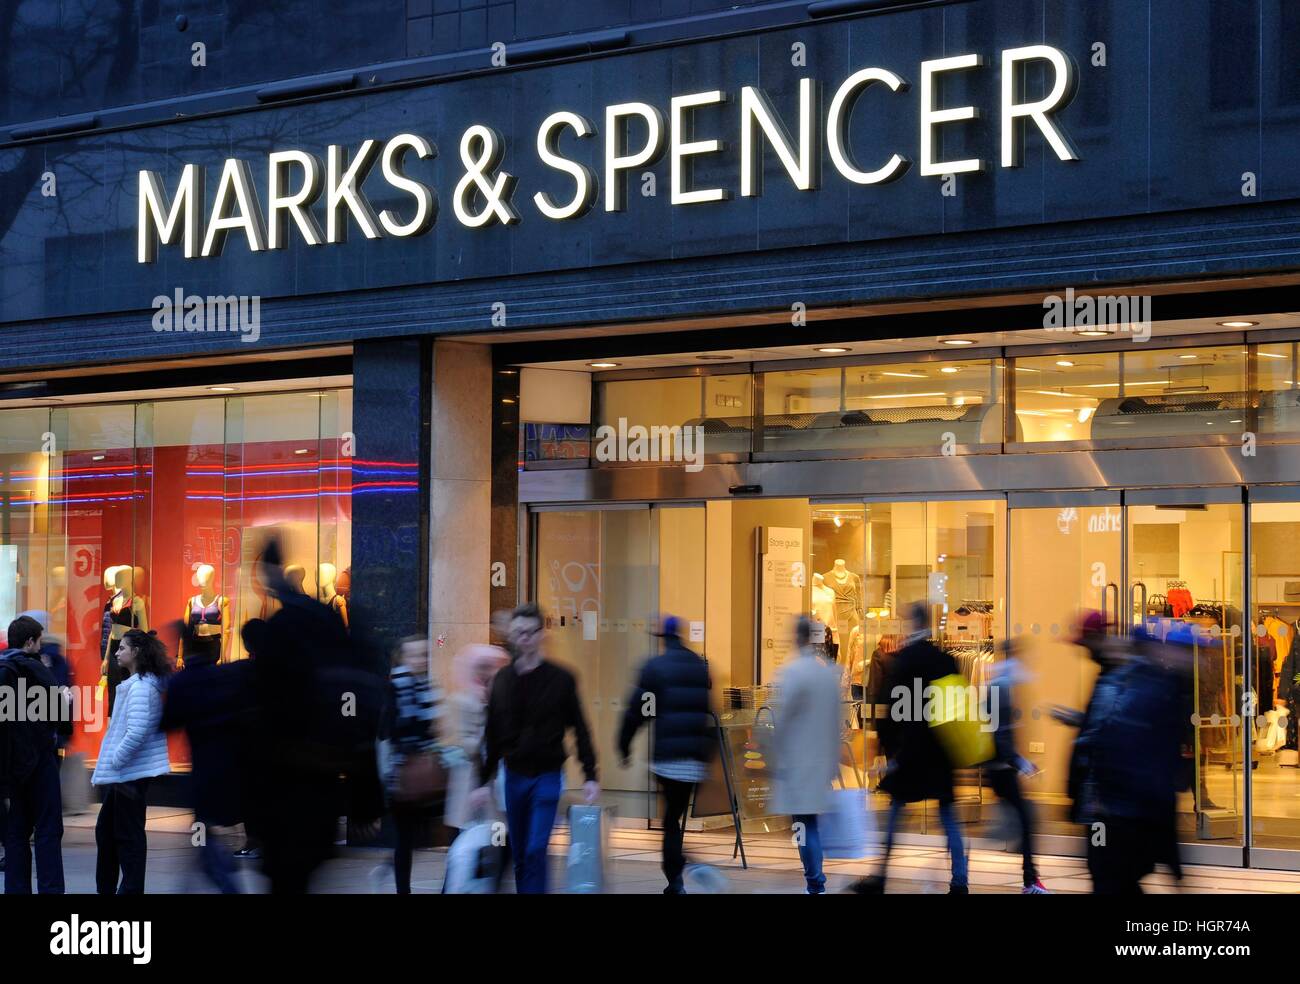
(496, 193)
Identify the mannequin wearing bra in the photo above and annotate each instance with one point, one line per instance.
(208, 616)
(125, 610)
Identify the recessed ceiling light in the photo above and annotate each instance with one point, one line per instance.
(1237, 421)
(507, 400)
(956, 341)
(603, 365)
(833, 350)
(303, 451)
(1187, 357)
(950, 369)
(1065, 363)
(222, 389)
(1238, 324)
(715, 358)
(97, 457)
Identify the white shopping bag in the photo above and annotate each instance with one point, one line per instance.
(849, 829)
(474, 861)
(586, 869)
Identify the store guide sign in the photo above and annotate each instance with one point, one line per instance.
(300, 186)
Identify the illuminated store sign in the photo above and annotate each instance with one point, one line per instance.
(485, 193)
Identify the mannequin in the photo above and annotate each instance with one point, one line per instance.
(329, 594)
(208, 616)
(823, 605)
(124, 610)
(847, 587)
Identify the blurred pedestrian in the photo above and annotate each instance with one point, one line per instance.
(672, 694)
(417, 710)
(134, 752)
(533, 704)
(1109, 653)
(253, 635)
(320, 697)
(210, 702)
(917, 767)
(1132, 762)
(472, 673)
(1008, 765)
(29, 768)
(807, 748)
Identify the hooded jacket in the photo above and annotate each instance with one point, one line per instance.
(134, 747)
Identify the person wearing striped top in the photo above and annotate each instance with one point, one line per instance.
(417, 717)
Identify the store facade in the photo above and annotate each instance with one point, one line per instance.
(986, 303)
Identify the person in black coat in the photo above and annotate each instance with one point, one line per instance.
(918, 768)
(212, 703)
(673, 691)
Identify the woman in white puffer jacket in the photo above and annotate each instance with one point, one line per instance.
(134, 751)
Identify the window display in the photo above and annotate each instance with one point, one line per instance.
(152, 515)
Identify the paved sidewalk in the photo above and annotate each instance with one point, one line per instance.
(634, 866)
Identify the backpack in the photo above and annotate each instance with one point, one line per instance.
(20, 744)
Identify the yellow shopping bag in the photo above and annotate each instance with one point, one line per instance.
(957, 719)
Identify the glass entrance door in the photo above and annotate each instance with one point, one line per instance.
(1066, 561)
(1274, 552)
(1185, 563)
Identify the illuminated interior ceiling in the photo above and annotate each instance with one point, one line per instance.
(841, 351)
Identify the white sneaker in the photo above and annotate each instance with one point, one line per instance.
(1036, 888)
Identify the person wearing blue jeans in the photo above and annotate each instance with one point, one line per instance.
(531, 803)
(918, 768)
(810, 852)
(806, 746)
(532, 705)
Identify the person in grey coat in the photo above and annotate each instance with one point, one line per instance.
(807, 748)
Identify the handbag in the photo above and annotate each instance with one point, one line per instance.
(958, 726)
(420, 778)
(848, 829)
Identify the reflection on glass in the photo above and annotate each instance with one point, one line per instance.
(144, 515)
(904, 405)
(1132, 395)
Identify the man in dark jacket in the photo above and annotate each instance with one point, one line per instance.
(533, 704)
(29, 765)
(918, 767)
(673, 692)
(213, 704)
(1132, 764)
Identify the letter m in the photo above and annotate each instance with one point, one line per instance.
(1112, 310)
(163, 221)
(222, 311)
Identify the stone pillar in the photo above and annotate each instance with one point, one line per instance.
(390, 474)
(460, 498)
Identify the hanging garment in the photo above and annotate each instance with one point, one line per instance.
(1265, 669)
(1180, 600)
(848, 599)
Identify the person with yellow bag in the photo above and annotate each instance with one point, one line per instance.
(918, 766)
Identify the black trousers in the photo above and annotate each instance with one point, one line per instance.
(121, 847)
(36, 807)
(1006, 784)
(1125, 856)
(408, 822)
(677, 799)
